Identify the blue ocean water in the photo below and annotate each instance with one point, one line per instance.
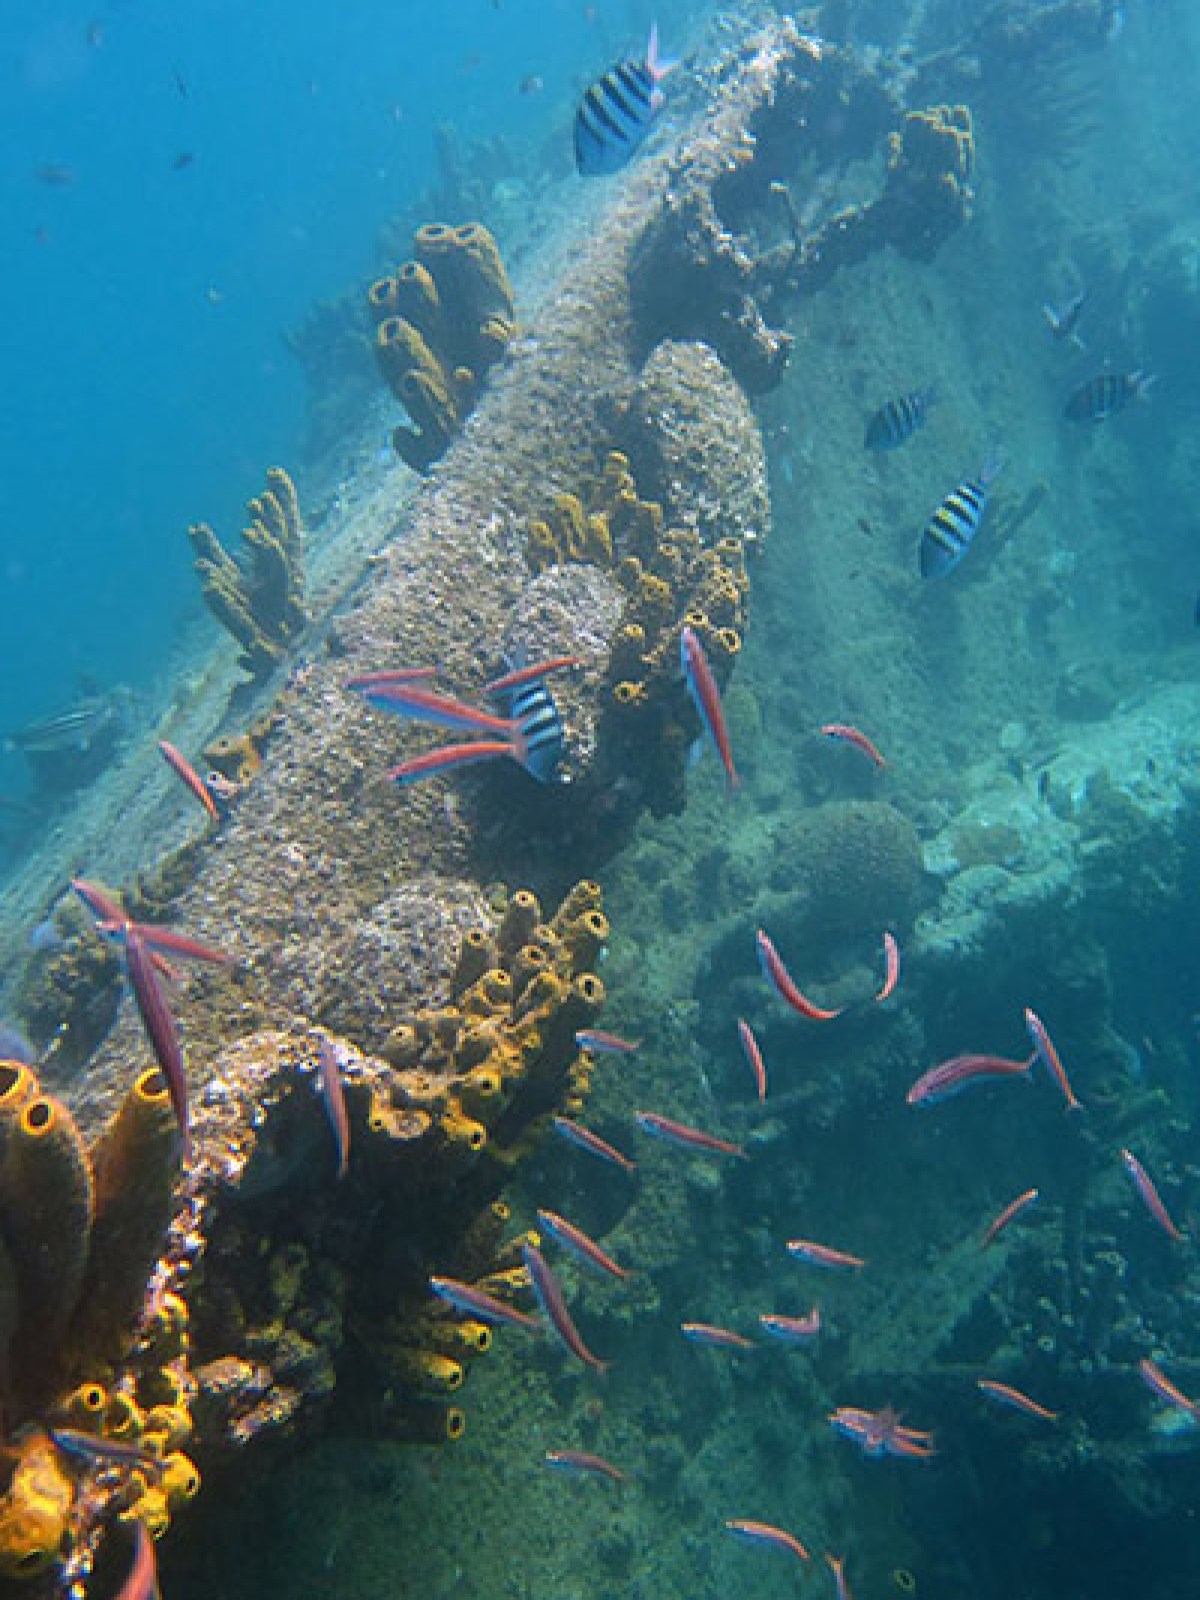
(147, 381)
(1036, 707)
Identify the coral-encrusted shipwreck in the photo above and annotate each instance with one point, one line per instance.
(358, 913)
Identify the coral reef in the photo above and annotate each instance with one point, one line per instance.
(442, 321)
(259, 596)
(253, 1294)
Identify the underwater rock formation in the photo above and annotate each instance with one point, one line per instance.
(442, 321)
(687, 425)
(258, 596)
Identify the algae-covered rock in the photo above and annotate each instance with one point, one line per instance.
(690, 426)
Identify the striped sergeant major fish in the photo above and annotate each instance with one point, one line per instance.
(952, 527)
(1108, 392)
(618, 110)
(539, 730)
(898, 419)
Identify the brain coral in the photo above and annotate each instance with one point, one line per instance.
(851, 865)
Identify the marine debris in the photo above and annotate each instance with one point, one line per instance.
(442, 321)
(258, 595)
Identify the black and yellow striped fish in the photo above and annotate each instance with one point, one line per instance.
(617, 112)
(951, 528)
(898, 419)
(1106, 393)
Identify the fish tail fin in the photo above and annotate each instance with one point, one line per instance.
(657, 66)
(1142, 382)
(994, 463)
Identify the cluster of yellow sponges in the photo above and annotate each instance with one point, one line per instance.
(473, 1084)
(670, 579)
(613, 521)
(260, 598)
(931, 164)
(82, 1229)
(442, 321)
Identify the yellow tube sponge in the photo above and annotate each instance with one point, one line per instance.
(34, 1509)
(180, 1479)
(136, 1162)
(428, 1372)
(258, 597)
(86, 1406)
(418, 301)
(47, 1198)
(521, 916)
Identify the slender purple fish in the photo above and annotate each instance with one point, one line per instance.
(159, 1025)
(424, 705)
(371, 680)
(550, 1298)
(187, 774)
(716, 1338)
(963, 1072)
(520, 676)
(577, 1242)
(97, 1451)
(751, 1532)
(333, 1093)
(1157, 1381)
(679, 1133)
(142, 1581)
(601, 1043)
(111, 923)
(474, 1302)
(574, 1133)
(1149, 1195)
(582, 1464)
(162, 941)
(792, 1330)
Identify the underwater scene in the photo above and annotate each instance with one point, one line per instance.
(599, 801)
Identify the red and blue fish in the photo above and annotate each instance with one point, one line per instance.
(706, 697)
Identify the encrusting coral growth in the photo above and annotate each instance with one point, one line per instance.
(669, 579)
(258, 596)
(442, 321)
(458, 1094)
(234, 1342)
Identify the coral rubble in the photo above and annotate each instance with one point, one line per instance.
(258, 596)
